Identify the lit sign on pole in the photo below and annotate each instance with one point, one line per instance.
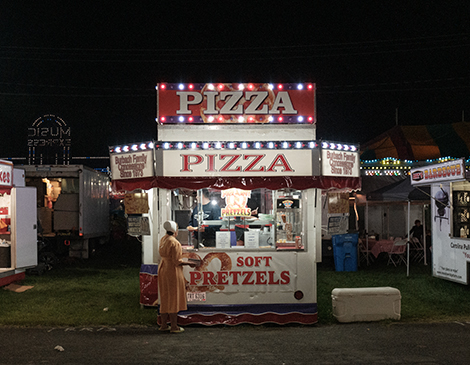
(49, 141)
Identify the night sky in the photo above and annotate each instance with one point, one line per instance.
(95, 64)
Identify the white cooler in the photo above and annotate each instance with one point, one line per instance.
(366, 304)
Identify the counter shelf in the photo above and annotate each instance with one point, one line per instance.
(233, 249)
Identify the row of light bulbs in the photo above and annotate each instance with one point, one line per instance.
(393, 160)
(385, 173)
(239, 86)
(232, 145)
(240, 119)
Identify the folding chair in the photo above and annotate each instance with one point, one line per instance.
(364, 253)
(397, 254)
(416, 250)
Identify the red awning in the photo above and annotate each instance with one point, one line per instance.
(272, 183)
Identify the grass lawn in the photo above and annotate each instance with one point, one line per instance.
(104, 291)
(424, 297)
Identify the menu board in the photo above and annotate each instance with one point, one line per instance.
(136, 203)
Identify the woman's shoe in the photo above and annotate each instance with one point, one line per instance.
(179, 330)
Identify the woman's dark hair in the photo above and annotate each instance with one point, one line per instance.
(169, 233)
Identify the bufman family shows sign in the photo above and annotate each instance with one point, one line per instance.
(132, 165)
(340, 163)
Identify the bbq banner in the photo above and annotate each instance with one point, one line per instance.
(447, 171)
(236, 103)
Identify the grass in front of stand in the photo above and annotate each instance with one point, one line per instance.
(77, 293)
(424, 298)
(101, 291)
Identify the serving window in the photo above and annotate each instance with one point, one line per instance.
(239, 219)
(461, 209)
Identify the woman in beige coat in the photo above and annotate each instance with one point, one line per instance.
(171, 283)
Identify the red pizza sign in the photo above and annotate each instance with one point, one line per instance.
(236, 103)
(241, 164)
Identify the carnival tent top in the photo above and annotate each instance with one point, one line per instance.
(420, 142)
(399, 191)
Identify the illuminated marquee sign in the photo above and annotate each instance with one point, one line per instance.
(447, 171)
(237, 163)
(236, 103)
(49, 140)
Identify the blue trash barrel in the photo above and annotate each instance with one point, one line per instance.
(345, 251)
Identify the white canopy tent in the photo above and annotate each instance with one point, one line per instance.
(389, 209)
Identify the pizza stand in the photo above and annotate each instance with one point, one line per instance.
(253, 146)
(18, 224)
(450, 217)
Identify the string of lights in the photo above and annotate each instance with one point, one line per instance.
(110, 55)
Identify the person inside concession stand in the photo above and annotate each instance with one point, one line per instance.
(211, 212)
(171, 283)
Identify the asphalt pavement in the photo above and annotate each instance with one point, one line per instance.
(353, 343)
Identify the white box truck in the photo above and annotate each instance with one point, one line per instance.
(73, 206)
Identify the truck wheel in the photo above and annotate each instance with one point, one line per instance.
(48, 259)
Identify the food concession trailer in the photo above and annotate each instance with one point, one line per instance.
(18, 224)
(450, 217)
(252, 147)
